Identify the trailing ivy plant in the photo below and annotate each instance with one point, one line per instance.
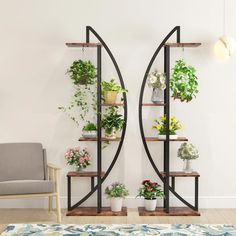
(183, 82)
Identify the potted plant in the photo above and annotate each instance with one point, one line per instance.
(82, 72)
(112, 122)
(78, 157)
(183, 82)
(174, 125)
(89, 130)
(110, 91)
(187, 152)
(157, 81)
(116, 192)
(150, 191)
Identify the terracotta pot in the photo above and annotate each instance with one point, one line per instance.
(116, 204)
(150, 204)
(110, 97)
(112, 135)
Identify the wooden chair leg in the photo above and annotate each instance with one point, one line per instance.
(50, 203)
(58, 208)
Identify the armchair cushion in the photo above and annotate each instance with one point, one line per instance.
(18, 187)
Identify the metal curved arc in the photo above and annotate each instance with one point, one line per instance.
(175, 29)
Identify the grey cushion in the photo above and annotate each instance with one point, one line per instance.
(22, 161)
(26, 187)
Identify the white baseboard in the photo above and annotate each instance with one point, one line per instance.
(130, 202)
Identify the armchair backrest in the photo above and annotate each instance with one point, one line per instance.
(22, 161)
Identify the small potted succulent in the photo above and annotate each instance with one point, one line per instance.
(157, 81)
(174, 125)
(89, 130)
(187, 152)
(116, 192)
(78, 157)
(183, 82)
(110, 91)
(112, 122)
(82, 72)
(150, 191)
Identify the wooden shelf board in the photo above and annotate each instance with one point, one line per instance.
(188, 45)
(153, 105)
(114, 104)
(95, 139)
(181, 174)
(79, 45)
(176, 45)
(174, 211)
(84, 174)
(155, 139)
(92, 211)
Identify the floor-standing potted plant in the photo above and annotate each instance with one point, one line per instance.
(157, 81)
(89, 130)
(150, 191)
(187, 152)
(160, 126)
(78, 157)
(112, 122)
(110, 91)
(116, 192)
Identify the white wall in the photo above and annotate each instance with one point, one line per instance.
(34, 58)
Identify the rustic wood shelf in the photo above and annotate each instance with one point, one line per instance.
(102, 139)
(92, 211)
(181, 174)
(84, 174)
(183, 45)
(153, 105)
(81, 45)
(112, 105)
(155, 139)
(173, 211)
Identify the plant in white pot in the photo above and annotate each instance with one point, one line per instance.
(110, 91)
(150, 191)
(112, 122)
(116, 192)
(187, 152)
(160, 126)
(157, 81)
(89, 130)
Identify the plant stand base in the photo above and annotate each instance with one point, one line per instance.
(92, 211)
(174, 211)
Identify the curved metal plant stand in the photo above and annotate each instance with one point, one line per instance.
(101, 176)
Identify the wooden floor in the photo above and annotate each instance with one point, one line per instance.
(208, 216)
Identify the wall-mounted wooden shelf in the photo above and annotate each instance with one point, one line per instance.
(183, 45)
(81, 45)
(181, 174)
(155, 139)
(102, 139)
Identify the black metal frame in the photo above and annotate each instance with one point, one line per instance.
(164, 179)
(100, 178)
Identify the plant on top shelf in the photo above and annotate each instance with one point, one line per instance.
(174, 125)
(150, 191)
(157, 81)
(83, 74)
(187, 152)
(116, 192)
(112, 122)
(78, 157)
(183, 82)
(110, 91)
(89, 130)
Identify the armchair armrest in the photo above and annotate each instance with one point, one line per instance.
(52, 166)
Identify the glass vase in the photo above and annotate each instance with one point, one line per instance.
(157, 96)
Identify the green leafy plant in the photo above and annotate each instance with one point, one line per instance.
(89, 126)
(116, 190)
(112, 86)
(82, 72)
(188, 151)
(150, 190)
(183, 82)
(160, 125)
(112, 119)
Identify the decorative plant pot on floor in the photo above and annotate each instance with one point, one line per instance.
(89, 134)
(116, 204)
(157, 96)
(175, 136)
(150, 204)
(110, 97)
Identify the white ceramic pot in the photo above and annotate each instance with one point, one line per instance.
(187, 166)
(175, 136)
(116, 204)
(89, 134)
(150, 204)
